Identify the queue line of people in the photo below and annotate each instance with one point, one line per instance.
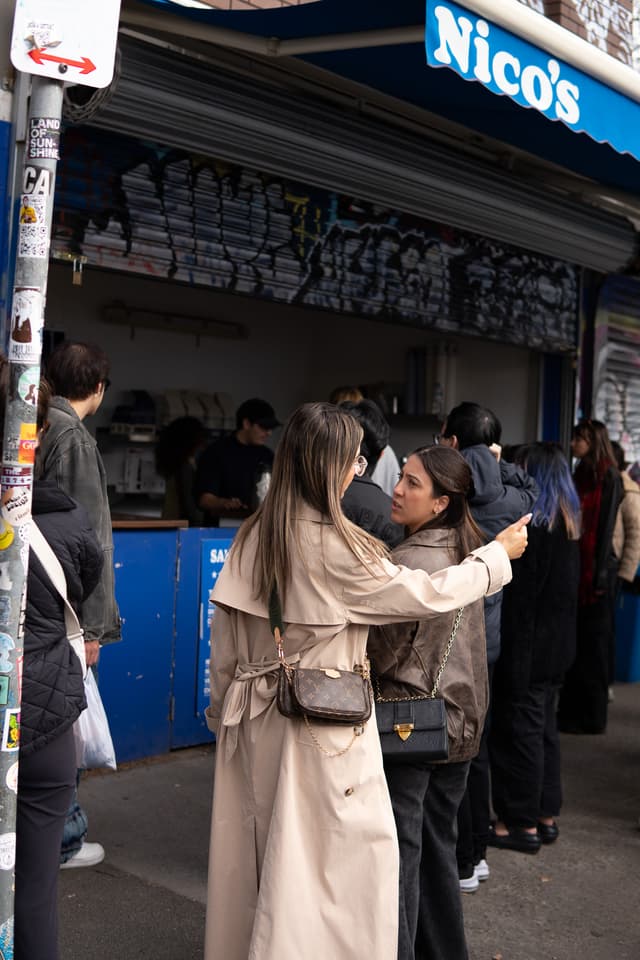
(433, 502)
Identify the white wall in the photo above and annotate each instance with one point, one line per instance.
(291, 354)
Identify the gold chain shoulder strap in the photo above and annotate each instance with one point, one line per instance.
(434, 692)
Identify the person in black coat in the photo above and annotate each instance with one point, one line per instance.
(52, 699)
(538, 646)
(585, 693)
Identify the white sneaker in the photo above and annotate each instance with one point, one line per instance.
(89, 855)
(469, 884)
(482, 871)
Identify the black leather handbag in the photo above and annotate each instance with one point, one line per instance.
(414, 729)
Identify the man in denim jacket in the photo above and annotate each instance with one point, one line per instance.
(69, 456)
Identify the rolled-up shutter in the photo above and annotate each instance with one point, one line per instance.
(197, 106)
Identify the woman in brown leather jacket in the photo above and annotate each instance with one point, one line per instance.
(430, 501)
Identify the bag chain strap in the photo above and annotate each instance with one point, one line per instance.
(434, 692)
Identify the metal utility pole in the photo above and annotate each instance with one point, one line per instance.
(55, 41)
(18, 451)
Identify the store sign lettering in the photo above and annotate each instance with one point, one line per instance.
(466, 45)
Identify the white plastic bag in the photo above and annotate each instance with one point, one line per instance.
(94, 746)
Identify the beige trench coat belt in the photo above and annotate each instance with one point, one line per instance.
(254, 686)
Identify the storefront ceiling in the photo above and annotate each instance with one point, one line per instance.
(400, 70)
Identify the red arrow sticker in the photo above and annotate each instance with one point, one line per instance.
(85, 65)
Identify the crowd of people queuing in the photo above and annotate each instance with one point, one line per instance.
(529, 649)
(486, 574)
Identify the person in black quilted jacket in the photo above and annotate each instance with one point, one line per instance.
(52, 699)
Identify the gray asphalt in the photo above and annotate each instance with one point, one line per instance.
(578, 899)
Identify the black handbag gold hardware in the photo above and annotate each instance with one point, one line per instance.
(414, 729)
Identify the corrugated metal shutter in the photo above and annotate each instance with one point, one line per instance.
(130, 205)
(186, 104)
(617, 364)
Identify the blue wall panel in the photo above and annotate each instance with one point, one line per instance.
(136, 674)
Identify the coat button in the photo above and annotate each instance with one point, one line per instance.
(348, 791)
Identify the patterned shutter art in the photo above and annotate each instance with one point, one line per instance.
(132, 206)
(617, 362)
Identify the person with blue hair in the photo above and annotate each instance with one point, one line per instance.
(538, 636)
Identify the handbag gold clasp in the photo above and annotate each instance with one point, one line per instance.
(403, 730)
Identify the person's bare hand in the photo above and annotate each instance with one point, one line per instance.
(514, 537)
(92, 652)
(234, 503)
(496, 450)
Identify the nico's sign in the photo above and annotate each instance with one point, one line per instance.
(482, 51)
(70, 40)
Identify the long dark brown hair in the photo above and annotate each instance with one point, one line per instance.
(450, 476)
(600, 455)
(314, 458)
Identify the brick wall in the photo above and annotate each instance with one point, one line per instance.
(606, 24)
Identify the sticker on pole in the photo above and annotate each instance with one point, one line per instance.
(70, 40)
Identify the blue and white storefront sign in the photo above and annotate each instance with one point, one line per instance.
(214, 552)
(482, 51)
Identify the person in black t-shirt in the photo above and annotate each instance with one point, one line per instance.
(232, 471)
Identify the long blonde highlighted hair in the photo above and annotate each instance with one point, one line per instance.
(313, 461)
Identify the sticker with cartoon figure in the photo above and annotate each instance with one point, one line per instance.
(28, 385)
(11, 732)
(33, 236)
(25, 341)
(7, 851)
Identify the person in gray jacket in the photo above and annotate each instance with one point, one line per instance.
(69, 456)
(502, 493)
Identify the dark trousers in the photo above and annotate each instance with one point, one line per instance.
(585, 692)
(474, 814)
(525, 756)
(425, 799)
(45, 786)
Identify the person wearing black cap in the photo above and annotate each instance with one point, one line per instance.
(231, 472)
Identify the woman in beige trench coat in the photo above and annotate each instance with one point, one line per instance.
(304, 858)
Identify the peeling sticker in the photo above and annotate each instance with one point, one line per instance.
(7, 851)
(12, 777)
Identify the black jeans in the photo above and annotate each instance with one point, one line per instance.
(474, 814)
(46, 782)
(425, 799)
(525, 756)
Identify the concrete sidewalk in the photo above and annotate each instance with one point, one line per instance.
(576, 900)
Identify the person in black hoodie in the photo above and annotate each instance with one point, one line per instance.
(502, 493)
(52, 699)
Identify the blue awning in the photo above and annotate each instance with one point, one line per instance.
(602, 143)
(507, 65)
